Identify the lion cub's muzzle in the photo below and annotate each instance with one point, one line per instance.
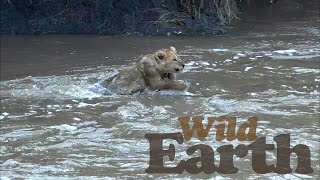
(179, 69)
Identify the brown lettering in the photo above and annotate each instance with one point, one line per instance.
(226, 158)
(252, 125)
(284, 152)
(259, 148)
(157, 153)
(206, 160)
(197, 126)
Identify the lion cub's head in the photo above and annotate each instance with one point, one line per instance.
(169, 61)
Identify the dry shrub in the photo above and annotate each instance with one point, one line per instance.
(225, 10)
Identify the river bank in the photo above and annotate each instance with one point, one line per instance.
(139, 17)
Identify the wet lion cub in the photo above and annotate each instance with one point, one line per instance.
(154, 71)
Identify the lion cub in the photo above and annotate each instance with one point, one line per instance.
(153, 71)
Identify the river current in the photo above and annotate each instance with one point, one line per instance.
(57, 121)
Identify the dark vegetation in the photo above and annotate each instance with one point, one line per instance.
(118, 16)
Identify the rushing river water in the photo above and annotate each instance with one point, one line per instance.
(58, 121)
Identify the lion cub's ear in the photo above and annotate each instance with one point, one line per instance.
(173, 49)
(160, 55)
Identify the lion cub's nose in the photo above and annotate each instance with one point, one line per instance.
(183, 65)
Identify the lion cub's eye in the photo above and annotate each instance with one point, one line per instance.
(175, 60)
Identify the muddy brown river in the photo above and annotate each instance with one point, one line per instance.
(57, 121)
